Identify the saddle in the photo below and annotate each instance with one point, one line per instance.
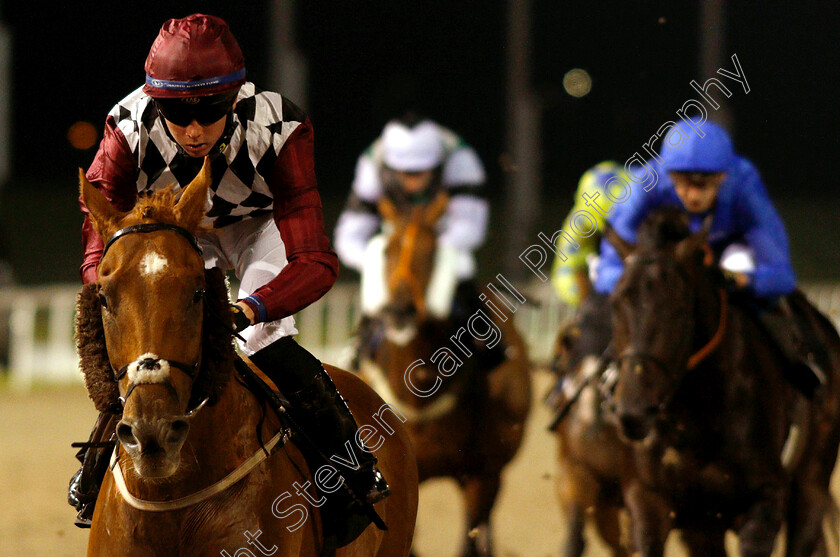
(344, 516)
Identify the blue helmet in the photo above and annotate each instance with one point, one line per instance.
(711, 153)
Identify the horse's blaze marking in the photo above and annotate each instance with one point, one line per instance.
(401, 336)
(159, 373)
(152, 264)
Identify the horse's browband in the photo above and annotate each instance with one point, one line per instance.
(151, 227)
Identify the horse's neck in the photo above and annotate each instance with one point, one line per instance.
(231, 423)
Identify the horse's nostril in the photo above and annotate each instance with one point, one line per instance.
(177, 432)
(633, 427)
(125, 433)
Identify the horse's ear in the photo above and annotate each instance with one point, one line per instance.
(192, 206)
(103, 215)
(436, 208)
(388, 210)
(622, 246)
(694, 245)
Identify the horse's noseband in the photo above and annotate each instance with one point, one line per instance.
(152, 364)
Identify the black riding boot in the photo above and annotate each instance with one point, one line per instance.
(324, 416)
(94, 456)
(782, 324)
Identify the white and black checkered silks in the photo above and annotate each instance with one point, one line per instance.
(239, 203)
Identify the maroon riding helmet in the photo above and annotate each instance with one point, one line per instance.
(194, 69)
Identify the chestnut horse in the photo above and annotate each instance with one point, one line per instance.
(466, 421)
(201, 469)
(703, 397)
(592, 459)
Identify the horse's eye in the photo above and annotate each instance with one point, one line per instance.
(198, 295)
(103, 301)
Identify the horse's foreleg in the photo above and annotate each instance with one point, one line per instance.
(808, 506)
(479, 495)
(762, 523)
(651, 522)
(704, 543)
(575, 521)
(608, 518)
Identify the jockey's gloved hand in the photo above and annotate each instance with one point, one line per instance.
(240, 320)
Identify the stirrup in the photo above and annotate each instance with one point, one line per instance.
(811, 362)
(84, 518)
(380, 489)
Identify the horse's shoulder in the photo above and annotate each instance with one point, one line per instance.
(354, 389)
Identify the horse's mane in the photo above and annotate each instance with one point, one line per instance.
(217, 350)
(663, 228)
(159, 206)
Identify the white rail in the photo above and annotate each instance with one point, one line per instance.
(36, 327)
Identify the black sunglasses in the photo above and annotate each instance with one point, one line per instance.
(204, 110)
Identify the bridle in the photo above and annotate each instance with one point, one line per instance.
(698, 357)
(150, 364)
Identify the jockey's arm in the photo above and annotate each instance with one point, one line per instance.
(465, 221)
(359, 220)
(625, 221)
(765, 234)
(569, 274)
(467, 215)
(312, 266)
(353, 231)
(114, 173)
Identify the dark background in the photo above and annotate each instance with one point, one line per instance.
(369, 61)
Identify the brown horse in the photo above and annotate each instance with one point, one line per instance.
(201, 469)
(592, 459)
(466, 421)
(702, 394)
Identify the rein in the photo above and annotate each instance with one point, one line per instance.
(697, 358)
(235, 475)
(714, 342)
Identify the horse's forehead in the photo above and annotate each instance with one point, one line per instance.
(151, 257)
(153, 263)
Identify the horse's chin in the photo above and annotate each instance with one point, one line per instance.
(636, 431)
(156, 466)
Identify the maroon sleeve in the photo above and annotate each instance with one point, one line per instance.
(114, 173)
(312, 266)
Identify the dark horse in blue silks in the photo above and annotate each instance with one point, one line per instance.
(720, 438)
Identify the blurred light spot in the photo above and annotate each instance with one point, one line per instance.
(577, 82)
(82, 135)
(662, 20)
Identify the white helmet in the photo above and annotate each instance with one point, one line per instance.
(412, 149)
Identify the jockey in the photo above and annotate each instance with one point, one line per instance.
(707, 178)
(263, 205)
(572, 276)
(411, 162)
